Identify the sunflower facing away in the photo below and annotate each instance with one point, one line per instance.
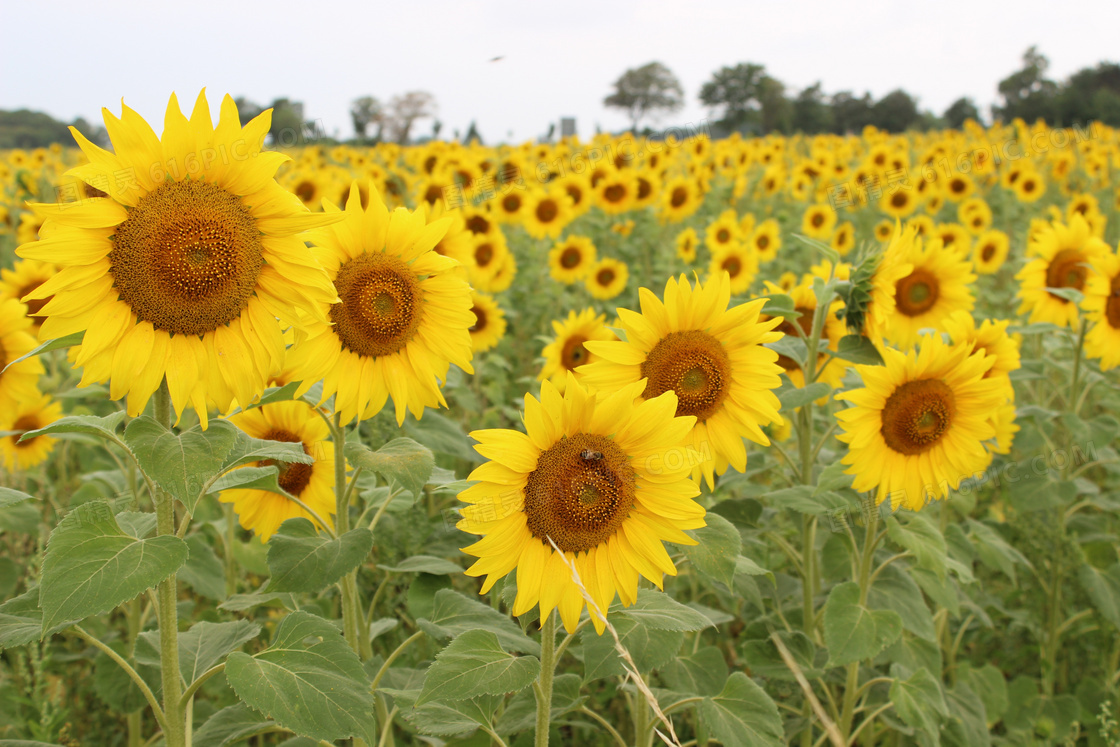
(183, 270)
(711, 356)
(20, 382)
(604, 479)
(937, 284)
(567, 351)
(30, 414)
(1064, 256)
(918, 426)
(1102, 308)
(293, 422)
(403, 318)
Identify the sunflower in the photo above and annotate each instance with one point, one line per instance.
(722, 232)
(975, 215)
(485, 260)
(183, 271)
(991, 338)
(918, 426)
(1064, 256)
(510, 206)
(1029, 187)
(936, 286)
(502, 278)
(1102, 308)
(766, 240)
(680, 198)
(891, 269)
(30, 414)
(489, 322)
(712, 356)
(616, 191)
(740, 264)
(687, 241)
(884, 229)
(954, 238)
(899, 204)
(570, 260)
(18, 382)
(923, 225)
(22, 279)
(578, 189)
(293, 422)
(830, 369)
(959, 187)
(402, 319)
(844, 238)
(567, 351)
(818, 222)
(547, 212)
(990, 251)
(603, 479)
(607, 278)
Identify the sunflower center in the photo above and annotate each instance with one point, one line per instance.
(1112, 307)
(483, 254)
(916, 293)
(733, 266)
(580, 492)
(294, 477)
(511, 203)
(695, 366)
(817, 220)
(26, 423)
(917, 415)
(381, 304)
(899, 200)
(574, 353)
(614, 193)
(478, 224)
(569, 258)
(679, 197)
(305, 191)
(1067, 270)
(762, 241)
(605, 277)
(546, 211)
(723, 235)
(988, 252)
(479, 320)
(187, 258)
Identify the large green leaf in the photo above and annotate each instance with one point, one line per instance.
(9, 497)
(90, 425)
(181, 464)
(315, 688)
(649, 647)
(92, 565)
(766, 661)
(201, 647)
(792, 398)
(743, 715)
(920, 703)
(203, 571)
(475, 664)
(21, 620)
(718, 548)
(1103, 588)
(402, 460)
(453, 614)
(301, 559)
(852, 631)
(921, 537)
(453, 718)
(858, 349)
(659, 611)
(424, 564)
(894, 589)
(701, 673)
(229, 725)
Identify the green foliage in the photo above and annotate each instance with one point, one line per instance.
(301, 559)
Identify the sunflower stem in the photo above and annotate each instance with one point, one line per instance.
(544, 680)
(851, 688)
(231, 537)
(348, 586)
(175, 733)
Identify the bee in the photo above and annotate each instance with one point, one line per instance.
(590, 456)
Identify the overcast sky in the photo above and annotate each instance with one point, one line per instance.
(558, 58)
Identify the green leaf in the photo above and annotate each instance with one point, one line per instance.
(766, 661)
(58, 343)
(793, 398)
(742, 512)
(1103, 588)
(180, 464)
(521, 711)
(804, 499)
(201, 647)
(90, 425)
(138, 524)
(659, 611)
(894, 589)
(743, 715)
(454, 614)
(21, 620)
(229, 725)
(402, 461)
(1073, 295)
(792, 347)
(967, 725)
(113, 685)
(9, 497)
(91, 565)
(457, 718)
(920, 703)
(701, 673)
(781, 304)
(250, 478)
(247, 449)
(424, 564)
(718, 547)
(474, 664)
(922, 538)
(301, 559)
(988, 682)
(441, 434)
(852, 631)
(858, 349)
(649, 647)
(315, 689)
(203, 572)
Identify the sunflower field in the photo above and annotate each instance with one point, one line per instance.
(635, 441)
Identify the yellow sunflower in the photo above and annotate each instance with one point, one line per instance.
(891, 269)
(884, 229)
(568, 350)
(402, 319)
(975, 215)
(712, 356)
(818, 222)
(547, 212)
(604, 479)
(1029, 187)
(739, 263)
(616, 191)
(1064, 258)
(1102, 308)
(687, 241)
(766, 240)
(844, 238)
(899, 204)
(937, 284)
(489, 322)
(487, 255)
(570, 260)
(680, 198)
(22, 279)
(991, 337)
(990, 251)
(19, 383)
(30, 414)
(918, 426)
(607, 278)
(184, 269)
(293, 422)
(723, 232)
(830, 370)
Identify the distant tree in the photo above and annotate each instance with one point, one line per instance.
(735, 92)
(27, 129)
(811, 112)
(404, 110)
(895, 112)
(1027, 93)
(775, 110)
(247, 110)
(1091, 93)
(287, 122)
(645, 91)
(850, 114)
(959, 112)
(472, 135)
(364, 112)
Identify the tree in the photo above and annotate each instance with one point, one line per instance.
(811, 113)
(735, 91)
(895, 112)
(960, 111)
(775, 110)
(1027, 93)
(1091, 93)
(850, 114)
(646, 90)
(247, 110)
(364, 111)
(287, 123)
(404, 110)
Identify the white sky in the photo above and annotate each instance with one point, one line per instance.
(559, 58)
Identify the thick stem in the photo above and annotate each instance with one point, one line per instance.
(544, 681)
(175, 734)
(348, 586)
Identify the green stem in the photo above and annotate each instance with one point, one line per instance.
(543, 685)
(348, 586)
(135, 624)
(851, 686)
(136, 678)
(175, 729)
(231, 537)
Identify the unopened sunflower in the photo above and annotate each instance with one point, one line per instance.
(604, 479)
(182, 271)
(402, 319)
(571, 260)
(1065, 255)
(712, 356)
(567, 351)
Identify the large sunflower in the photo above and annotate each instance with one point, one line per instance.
(602, 478)
(1102, 308)
(936, 286)
(403, 318)
(711, 356)
(918, 426)
(29, 415)
(1064, 258)
(19, 382)
(183, 270)
(313, 484)
(567, 351)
